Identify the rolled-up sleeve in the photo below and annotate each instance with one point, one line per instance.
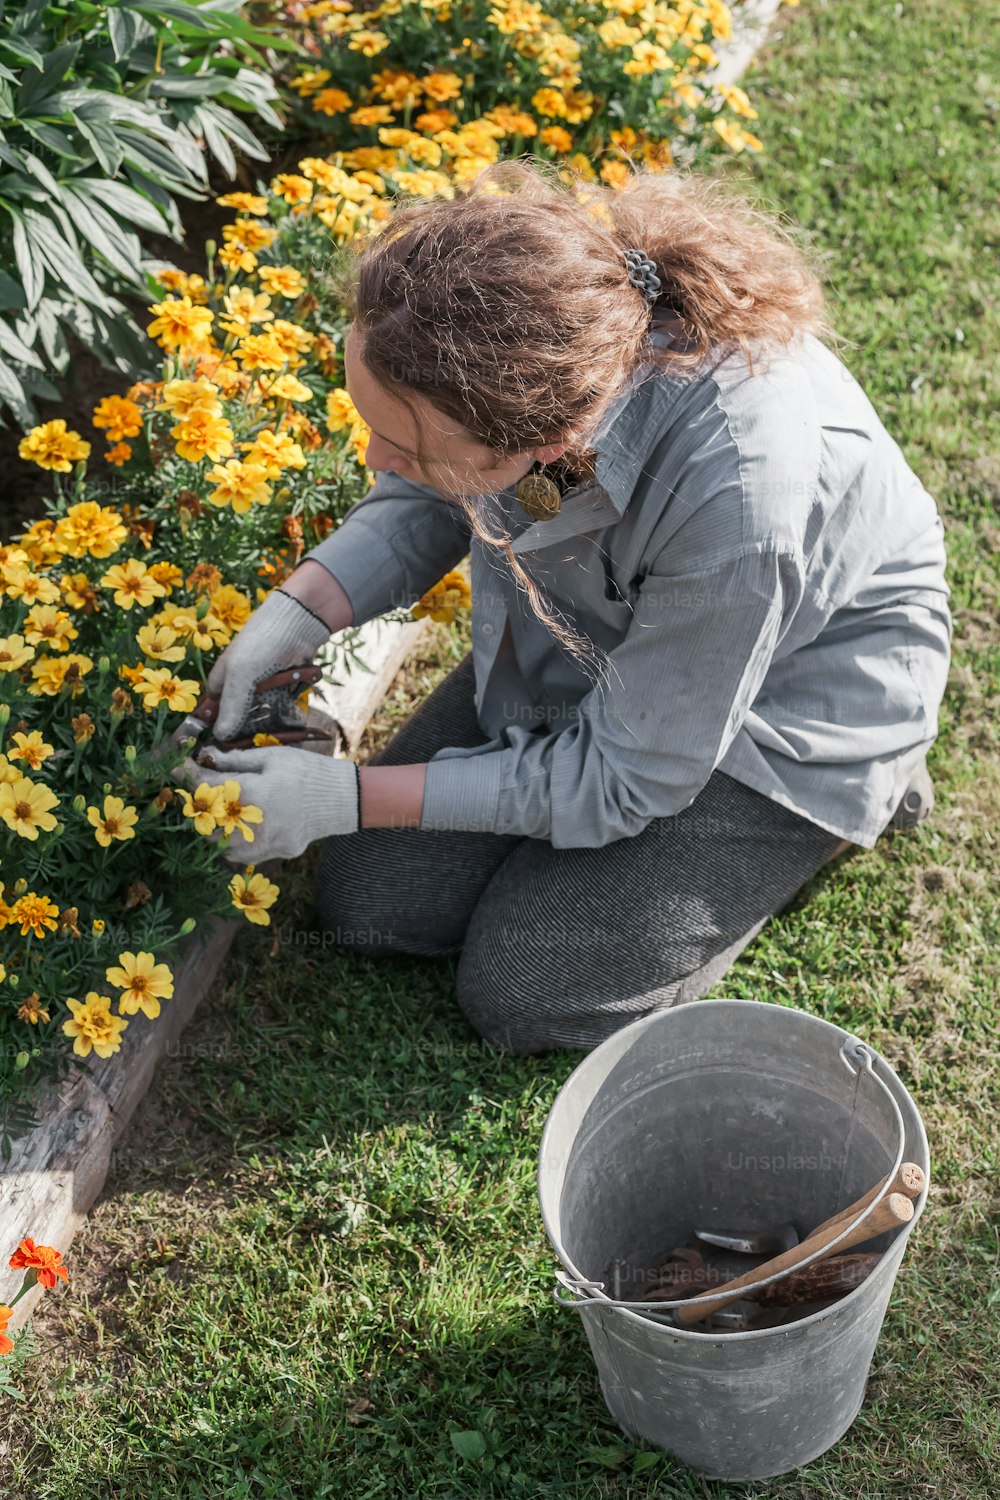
(649, 734)
(393, 545)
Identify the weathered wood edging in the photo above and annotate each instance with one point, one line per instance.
(56, 1172)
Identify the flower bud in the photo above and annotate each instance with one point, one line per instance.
(130, 754)
(20, 886)
(4, 715)
(22, 1060)
(203, 607)
(13, 980)
(104, 665)
(79, 803)
(188, 925)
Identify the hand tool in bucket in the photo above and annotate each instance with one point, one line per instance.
(638, 1144)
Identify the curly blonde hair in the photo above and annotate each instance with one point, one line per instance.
(510, 306)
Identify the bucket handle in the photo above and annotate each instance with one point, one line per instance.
(865, 1059)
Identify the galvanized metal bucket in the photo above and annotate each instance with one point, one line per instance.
(725, 1111)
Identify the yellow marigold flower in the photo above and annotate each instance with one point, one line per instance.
(14, 653)
(275, 451)
(159, 685)
(204, 578)
(183, 284)
(26, 806)
(359, 438)
(84, 728)
(290, 337)
(285, 388)
(90, 528)
(132, 675)
(182, 397)
(204, 633)
(119, 416)
(368, 43)
(244, 308)
(512, 121)
(331, 102)
(244, 203)
(433, 120)
(159, 643)
(261, 351)
(556, 138)
(397, 87)
(12, 556)
(239, 484)
(581, 163)
(249, 234)
(115, 822)
(291, 188)
(237, 257)
(29, 587)
(50, 674)
(180, 325)
(449, 594)
(31, 747)
(283, 281)
(143, 981)
(308, 83)
(340, 411)
(549, 102)
(204, 805)
(39, 543)
(616, 173)
(47, 625)
(424, 184)
(441, 86)
(266, 739)
(51, 446)
(203, 434)
(35, 914)
(372, 114)
(93, 1026)
(252, 895)
(118, 455)
(237, 815)
(132, 583)
(32, 1010)
(78, 592)
(166, 573)
(8, 773)
(737, 100)
(735, 137)
(230, 606)
(646, 57)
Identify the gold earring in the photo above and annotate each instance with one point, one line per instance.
(537, 494)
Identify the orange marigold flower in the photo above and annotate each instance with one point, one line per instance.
(40, 1258)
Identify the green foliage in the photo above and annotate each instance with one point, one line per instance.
(106, 113)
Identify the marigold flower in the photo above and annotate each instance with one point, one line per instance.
(35, 914)
(274, 452)
(25, 807)
(158, 685)
(33, 748)
(92, 1025)
(119, 454)
(180, 325)
(166, 573)
(236, 257)
(449, 594)
(331, 102)
(202, 434)
(285, 388)
(261, 351)
(51, 446)
(244, 203)
(14, 653)
(182, 397)
(83, 728)
(283, 281)
(90, 528)
(50, 674)
(23, 584)
(31, 1010)
(252, 895)
(249, 234)
(41, 1259)
(132, 583)
(239, 484)
(45, 624)
(308, 82)
(236, 814)
(144, 982)
(204, 805)
(6, 1342)
(159, 642)
(115, 822)
(231, 606)
(78, 592)
(119, 416)
(340, 411)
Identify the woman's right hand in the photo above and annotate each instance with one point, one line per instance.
(281, 633)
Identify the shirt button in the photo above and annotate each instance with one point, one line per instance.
(475, 699)
(488, 628)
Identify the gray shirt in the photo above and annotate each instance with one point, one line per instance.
(765, 572)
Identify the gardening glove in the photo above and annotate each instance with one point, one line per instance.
(303, 796)
(280, 633)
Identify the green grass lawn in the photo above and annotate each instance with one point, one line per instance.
(318, 1255)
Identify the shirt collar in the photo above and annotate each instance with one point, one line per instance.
(620, 454)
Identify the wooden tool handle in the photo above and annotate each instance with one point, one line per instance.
(891, 1213)
(910, 1180)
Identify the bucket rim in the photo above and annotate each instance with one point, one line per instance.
(658, 1017)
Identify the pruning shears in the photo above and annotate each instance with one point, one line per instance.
(274, 712)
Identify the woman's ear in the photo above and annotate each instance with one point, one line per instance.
(549, 451)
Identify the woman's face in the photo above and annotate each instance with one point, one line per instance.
(455, 463)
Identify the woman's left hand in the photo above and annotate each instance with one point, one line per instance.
(303, 795)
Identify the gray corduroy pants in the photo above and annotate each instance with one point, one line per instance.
(561, 947)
